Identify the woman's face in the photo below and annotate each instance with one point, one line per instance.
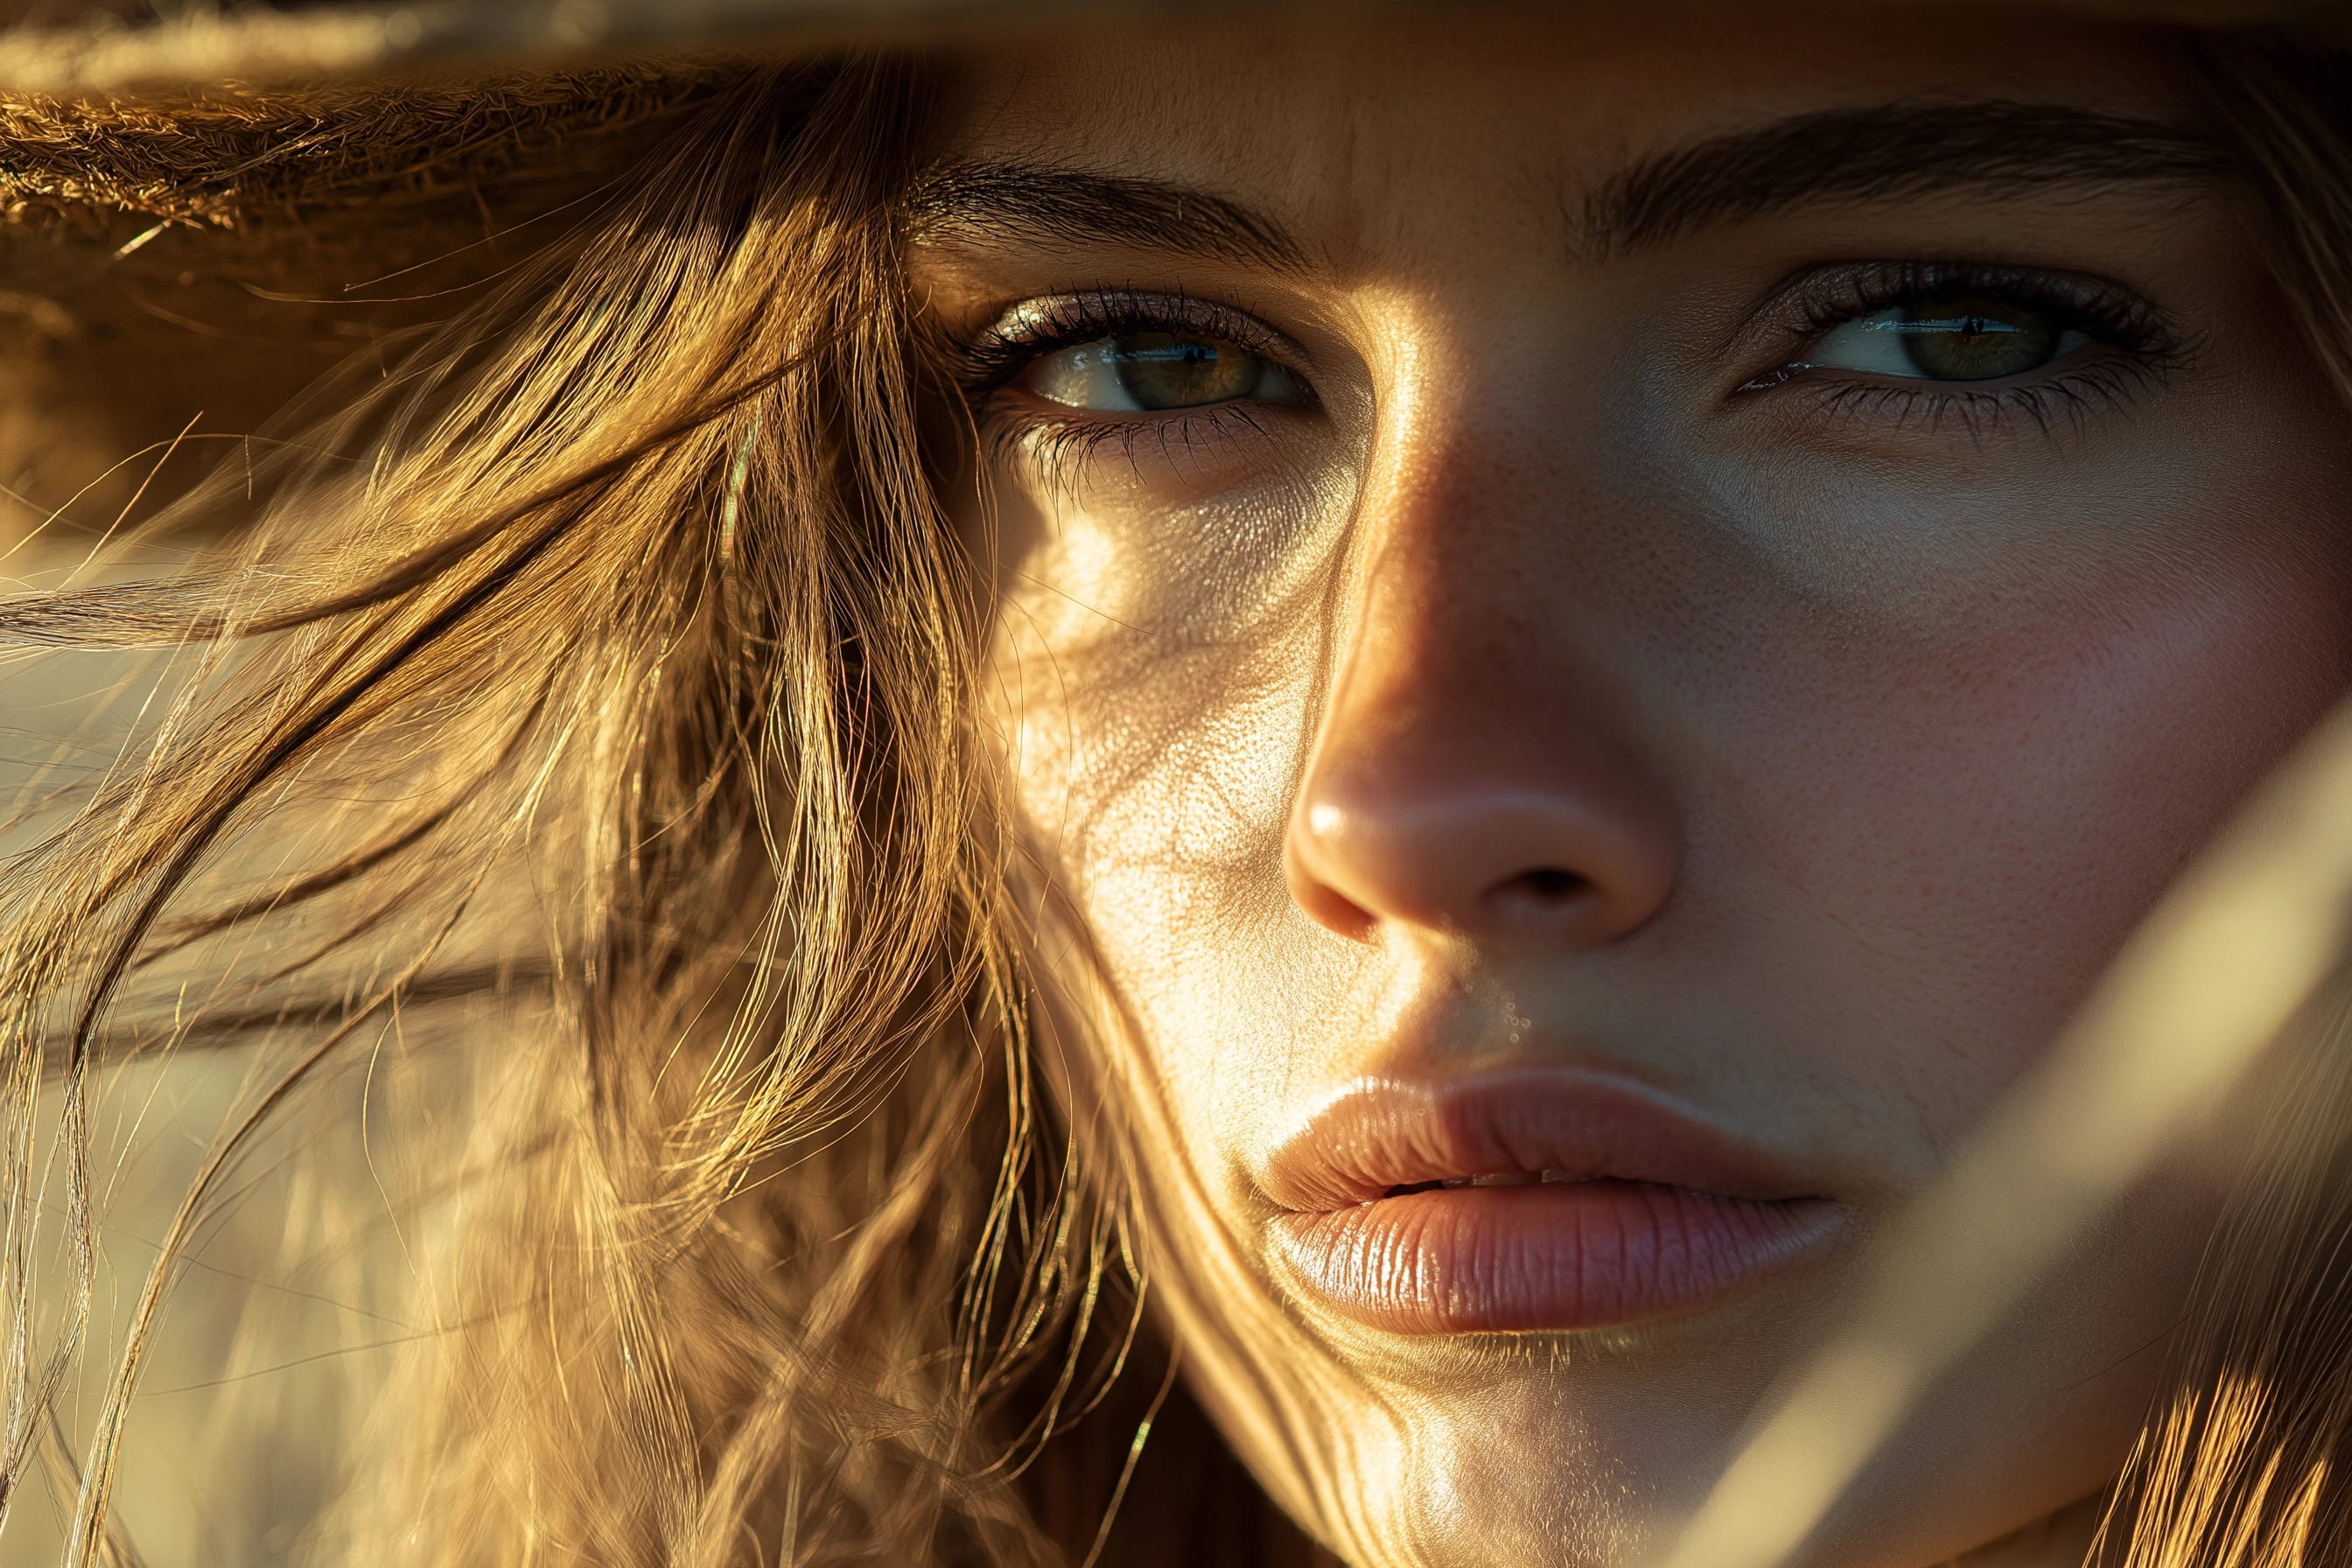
(1633, 610)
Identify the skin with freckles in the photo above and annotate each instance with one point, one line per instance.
(1633, 610)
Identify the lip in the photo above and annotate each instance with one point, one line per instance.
(1602, 1205)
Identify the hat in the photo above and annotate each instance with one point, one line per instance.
(112, 45)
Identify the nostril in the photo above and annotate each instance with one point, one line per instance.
(1551, 882)
(1544, 887)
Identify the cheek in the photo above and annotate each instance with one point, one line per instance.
(1984, 813)
(1157, 799)
(1154, 779)
(1154, 674)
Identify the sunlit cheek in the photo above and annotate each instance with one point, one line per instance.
(1077, 582)
(1060, 599)
(1177, 793)
(1155, 774)
(1162, 652)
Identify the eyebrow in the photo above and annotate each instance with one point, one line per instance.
(1877, 154)
(1055, 205)
(1881, 153)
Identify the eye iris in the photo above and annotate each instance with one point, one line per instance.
(1161, 370)
(1974, 338)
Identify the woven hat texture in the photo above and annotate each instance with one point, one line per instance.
(65, 47)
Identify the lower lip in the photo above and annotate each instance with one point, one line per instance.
(1560, 1256)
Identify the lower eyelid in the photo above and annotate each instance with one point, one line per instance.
(2093, 374)
(2042, 407)
(1058, 442)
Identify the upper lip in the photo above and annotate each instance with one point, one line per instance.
(1377, 1134)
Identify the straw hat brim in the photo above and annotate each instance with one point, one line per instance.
(92, 47)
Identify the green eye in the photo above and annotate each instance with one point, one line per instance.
(1153, 371)
(1966, 338)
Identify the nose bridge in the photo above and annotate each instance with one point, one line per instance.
(1474, 773)
(1468, 561)
(1448, 591)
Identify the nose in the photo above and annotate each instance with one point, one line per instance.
(1466, 792)
(1483, 859)
(1479, 769)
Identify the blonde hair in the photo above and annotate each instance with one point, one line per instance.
(627, 583)
(600, 679)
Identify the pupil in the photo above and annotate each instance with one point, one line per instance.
(1160, 370)
(1976, 339)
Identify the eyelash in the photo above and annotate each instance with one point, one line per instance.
(1062, 441)
(1066, 321)
(2136, 346)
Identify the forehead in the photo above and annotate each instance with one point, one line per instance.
(1329, 124)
